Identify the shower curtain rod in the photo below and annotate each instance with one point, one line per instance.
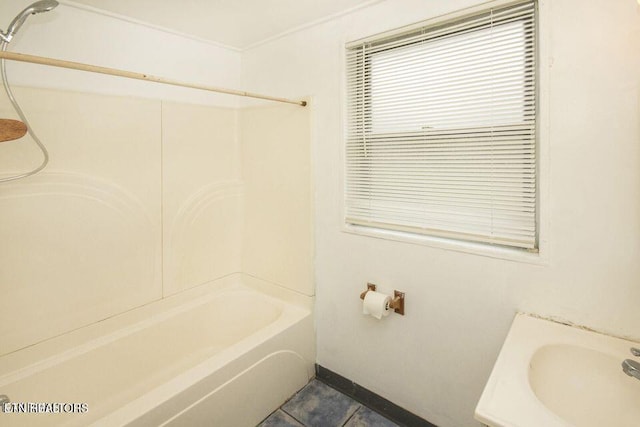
(21, 57)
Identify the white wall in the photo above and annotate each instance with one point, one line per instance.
(435, 360)
(80, 35)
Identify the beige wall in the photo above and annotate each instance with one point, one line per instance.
(278, 224)
(202, 195)
(435, 360)
(81, 240)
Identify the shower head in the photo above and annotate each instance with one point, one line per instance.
(32, 9)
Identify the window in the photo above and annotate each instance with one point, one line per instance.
(441, 136)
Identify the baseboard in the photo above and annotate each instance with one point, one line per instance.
(374, 401)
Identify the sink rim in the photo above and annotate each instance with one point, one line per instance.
(508, 397)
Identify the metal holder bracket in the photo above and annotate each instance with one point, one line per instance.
(370, 287)
(397, 303)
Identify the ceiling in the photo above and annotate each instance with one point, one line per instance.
(235, 23)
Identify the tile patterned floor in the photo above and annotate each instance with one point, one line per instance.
(318, 405)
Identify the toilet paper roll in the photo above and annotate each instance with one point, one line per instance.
(376, 304)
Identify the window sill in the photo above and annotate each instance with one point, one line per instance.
(481, 249)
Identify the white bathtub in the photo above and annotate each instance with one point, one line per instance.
(224, 354)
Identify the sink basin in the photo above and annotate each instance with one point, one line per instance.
(549, 374)
(585, 387)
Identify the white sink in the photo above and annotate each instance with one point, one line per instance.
(549, 374)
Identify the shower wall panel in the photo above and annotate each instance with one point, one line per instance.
(202, 195)
(80, 241)
(278, 222)
(83, 240)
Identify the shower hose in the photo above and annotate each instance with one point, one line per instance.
(16, 107)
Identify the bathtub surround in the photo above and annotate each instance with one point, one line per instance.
(81, 240)
(87, 235)
(153, 195)
(202, 188)
(145, 199)
(139, 220)
(278, 211)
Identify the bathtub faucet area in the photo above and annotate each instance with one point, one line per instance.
(632, 367)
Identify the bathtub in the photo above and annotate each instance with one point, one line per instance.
(226, 354)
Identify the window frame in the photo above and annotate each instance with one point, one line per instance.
(536, 256)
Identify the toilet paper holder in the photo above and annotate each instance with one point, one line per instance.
(396, 303)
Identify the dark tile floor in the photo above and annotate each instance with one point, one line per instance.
(318, 405)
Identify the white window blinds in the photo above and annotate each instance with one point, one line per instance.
(441, 136)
